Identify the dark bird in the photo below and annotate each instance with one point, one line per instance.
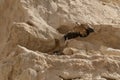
(82, 30)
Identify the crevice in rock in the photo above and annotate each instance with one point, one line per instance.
(30, 23)
(69, 78)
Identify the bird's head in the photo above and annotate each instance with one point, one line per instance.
(83, 29)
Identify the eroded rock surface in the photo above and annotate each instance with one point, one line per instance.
(29, 30)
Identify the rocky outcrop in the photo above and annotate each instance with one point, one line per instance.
(29, 30)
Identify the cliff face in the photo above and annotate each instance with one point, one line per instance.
(28, 29)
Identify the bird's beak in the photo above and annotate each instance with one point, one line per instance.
(91, 30)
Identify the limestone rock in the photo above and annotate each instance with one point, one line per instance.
(29, 30)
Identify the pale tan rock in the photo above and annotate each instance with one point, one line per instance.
(68, 51)
(28, 74)
(28, 30)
